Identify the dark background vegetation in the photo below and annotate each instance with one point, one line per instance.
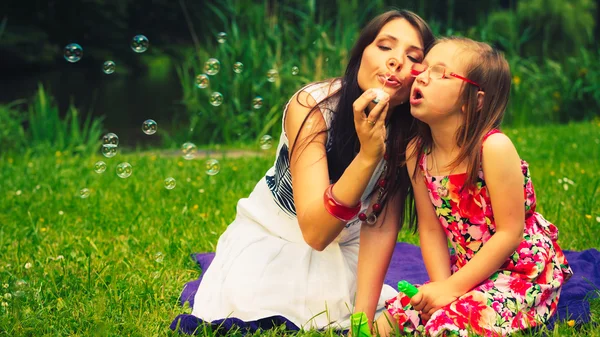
(551, 45)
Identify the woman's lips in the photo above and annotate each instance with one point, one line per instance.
(391, 82)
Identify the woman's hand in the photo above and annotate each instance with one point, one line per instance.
(371, 130)
(433, 296)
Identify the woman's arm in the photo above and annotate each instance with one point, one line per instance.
(308, 166)
(432, 238)
(376, 248)
(504, 180)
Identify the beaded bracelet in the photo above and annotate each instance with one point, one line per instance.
(338, 210)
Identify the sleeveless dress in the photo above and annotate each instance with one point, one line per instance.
(264, 268)
(523, 293)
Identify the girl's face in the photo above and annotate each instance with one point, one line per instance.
(391, 54)
(435, 93)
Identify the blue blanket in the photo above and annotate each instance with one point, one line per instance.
(407, 264)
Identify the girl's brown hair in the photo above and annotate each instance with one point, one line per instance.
(491, 71)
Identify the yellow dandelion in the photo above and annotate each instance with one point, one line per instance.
(571, 323)
(516, 80)
(552, 173)
(196, 207)
(589, 216)
(10, 160)
(582, 171)
(153, 157)
(58, 154)
(43, 229)
(180, 164)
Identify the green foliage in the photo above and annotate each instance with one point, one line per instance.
(114, 264)
(544, 29)
(261, 42)
(47, 130)
(554, 92)
(12, 134)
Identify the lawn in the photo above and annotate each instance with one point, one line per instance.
(114, 262)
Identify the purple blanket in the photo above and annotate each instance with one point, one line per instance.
(407, 264)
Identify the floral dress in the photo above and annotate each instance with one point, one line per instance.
(523, 293)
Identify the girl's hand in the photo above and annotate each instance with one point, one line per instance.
(431, 297)
(371, 130)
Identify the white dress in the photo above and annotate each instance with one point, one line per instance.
(263, 267)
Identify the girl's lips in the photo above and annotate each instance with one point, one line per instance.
(417, 97)
(391, 82)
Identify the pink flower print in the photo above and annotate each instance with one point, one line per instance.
(497, 306)
(545, 297)
(519, 287)
(443, 191)
(477, 231)
(434, 196)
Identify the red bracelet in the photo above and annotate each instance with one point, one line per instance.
(338, 210)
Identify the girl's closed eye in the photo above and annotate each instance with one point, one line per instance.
(382, 47)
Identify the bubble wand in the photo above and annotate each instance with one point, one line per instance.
(380, 91)
(407, 288)
(359, 325)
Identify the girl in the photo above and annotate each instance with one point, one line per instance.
(506, 270)
(292, 250)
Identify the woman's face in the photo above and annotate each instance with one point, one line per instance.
(391, 54)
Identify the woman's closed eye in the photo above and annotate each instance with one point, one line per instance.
(384, 47)
(414, 59)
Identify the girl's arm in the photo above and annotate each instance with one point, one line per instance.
(504, 179)
(308, 165)
(376, 248)
(432, 238)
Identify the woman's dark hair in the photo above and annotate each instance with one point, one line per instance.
(343, 138)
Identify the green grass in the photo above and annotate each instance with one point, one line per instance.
(113, 264)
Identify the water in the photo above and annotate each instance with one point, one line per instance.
(125, 99)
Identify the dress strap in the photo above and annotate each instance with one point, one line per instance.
(491, 132)
(423, 162)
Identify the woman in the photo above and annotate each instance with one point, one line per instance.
(294, 252)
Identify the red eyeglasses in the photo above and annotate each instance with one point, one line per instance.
(437, 72)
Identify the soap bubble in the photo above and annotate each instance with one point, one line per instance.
(100, 167)
(295, 70)
(149, 127)
(257, 102)
(73, 52)
(272, 75)
(202, 81)
(212, 167)
(222, 37)
(216, 98)
(124, 170)
(266, 142)
(212, 66)
(159, 257)
(170, 183)
(109, 150)
(238, 67)
(110, 139)
(84, 193)
(139, 43)
(189, 150)
(108, 67)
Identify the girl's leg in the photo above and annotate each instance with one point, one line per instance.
(385, 325)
